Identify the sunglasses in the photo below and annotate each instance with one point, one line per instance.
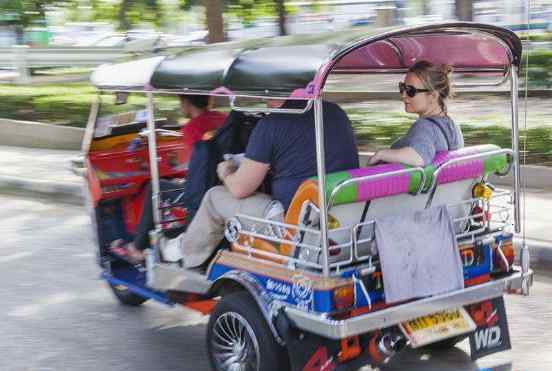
(410, 90)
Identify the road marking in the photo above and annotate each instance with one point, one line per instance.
(33, 309)
(12, 257)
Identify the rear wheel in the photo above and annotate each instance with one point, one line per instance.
(238, 339)
(127, 297)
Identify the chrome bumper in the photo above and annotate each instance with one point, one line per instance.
(339, 329)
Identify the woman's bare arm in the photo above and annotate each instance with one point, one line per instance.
(405, 155)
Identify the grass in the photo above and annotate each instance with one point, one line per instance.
(540, 68)
(538, 140)
(375, 127)
(67, 104)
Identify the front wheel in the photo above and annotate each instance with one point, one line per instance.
(239, 339)
(127, 297)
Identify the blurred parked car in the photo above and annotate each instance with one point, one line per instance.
(79, 32)
(128, 41)
(191, 38)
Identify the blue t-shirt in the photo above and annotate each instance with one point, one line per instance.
(287, 143)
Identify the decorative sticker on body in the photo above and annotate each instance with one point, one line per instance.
(302, 291)
(278, 290)
(492, 334)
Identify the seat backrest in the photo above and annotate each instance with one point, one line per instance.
(395, 193)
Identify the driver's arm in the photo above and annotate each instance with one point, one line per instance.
(246, 179)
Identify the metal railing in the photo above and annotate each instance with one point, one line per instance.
(495, 215)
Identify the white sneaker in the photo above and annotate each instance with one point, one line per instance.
(171, 250)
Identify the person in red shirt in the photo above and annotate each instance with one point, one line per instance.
(201, 121)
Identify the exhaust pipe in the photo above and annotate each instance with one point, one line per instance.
(383, 346)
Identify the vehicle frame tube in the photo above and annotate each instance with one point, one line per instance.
(154, 168)
(321, 166)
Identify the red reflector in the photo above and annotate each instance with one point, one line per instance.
(332, 250)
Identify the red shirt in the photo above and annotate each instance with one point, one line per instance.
(194, 129)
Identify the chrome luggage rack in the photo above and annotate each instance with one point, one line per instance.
(359, 246)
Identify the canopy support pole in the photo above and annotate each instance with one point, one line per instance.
(321, 167)
(154, 169)
(515, 146)
(155, 189)
(525, 257)
(90, 126)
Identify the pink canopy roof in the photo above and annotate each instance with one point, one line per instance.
(470, 47)
(462, 50)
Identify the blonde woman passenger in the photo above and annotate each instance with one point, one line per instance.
(424, 91)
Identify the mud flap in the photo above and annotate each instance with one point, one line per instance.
(492, 334)
(310, 352)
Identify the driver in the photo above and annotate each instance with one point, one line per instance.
(201, 120)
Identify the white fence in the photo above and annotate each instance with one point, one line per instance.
(23, 58)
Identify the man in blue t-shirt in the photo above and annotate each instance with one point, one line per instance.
(282, 147)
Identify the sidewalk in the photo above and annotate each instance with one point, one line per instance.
(48, 172)
(39, 171)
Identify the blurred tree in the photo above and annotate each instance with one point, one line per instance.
(215, 21)
(282, 16)
(464, 10)
(28, 12)
(246, 10)
(132, 12)
(126, 13)
(426, 9)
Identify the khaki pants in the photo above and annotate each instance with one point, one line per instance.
(207, 228)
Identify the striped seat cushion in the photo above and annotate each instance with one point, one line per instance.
(410, 183)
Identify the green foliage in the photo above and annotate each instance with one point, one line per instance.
(372, 136)
(103, 11)
(248, 10)
(69, 104)
(545, 36)
(27, 12)
(245, 10)
(540, 69)
(129, 12)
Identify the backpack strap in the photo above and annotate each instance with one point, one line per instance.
(441, 129)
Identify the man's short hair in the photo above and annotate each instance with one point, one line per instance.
(199, 101)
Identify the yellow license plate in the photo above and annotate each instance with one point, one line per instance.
(437, 326)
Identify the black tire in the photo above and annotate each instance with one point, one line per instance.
(127, 297)
(447, 344)
(228, 320)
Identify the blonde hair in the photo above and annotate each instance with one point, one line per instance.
(435, 78)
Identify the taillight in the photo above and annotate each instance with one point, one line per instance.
(479, 215)
(508, 254)
(344, 297)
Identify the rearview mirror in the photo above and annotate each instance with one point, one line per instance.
(121, 97)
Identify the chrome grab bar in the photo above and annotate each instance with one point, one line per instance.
(169, 133)
(434, 184)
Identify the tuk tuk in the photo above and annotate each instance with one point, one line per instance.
(307, 293)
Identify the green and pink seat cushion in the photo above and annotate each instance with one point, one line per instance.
(411, 182)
